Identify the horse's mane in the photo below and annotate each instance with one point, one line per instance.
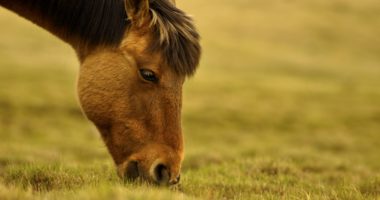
(93, 21)
(104, 22)
(176, 36)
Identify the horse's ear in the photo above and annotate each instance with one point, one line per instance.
(137, 11)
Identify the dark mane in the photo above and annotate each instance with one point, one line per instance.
(93, 21)
(104, 22)
(175, 35)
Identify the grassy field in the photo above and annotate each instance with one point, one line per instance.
(285, 105)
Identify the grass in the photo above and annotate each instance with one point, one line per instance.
(285, 105)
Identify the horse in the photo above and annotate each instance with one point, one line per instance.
(135, 56)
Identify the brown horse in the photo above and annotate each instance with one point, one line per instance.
(135, 56)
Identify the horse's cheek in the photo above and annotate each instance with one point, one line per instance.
(101, 84)
(94, 101)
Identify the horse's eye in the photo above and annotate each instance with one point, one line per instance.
(148, 75)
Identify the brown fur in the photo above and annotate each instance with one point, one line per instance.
(140, 121)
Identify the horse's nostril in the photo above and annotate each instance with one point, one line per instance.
(161, 174)
(132, 171)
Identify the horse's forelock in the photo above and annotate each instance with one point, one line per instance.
(175, 36)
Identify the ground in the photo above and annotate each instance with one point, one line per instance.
(285, 105)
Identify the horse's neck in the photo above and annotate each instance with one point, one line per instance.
(80, 23)
(31, 10)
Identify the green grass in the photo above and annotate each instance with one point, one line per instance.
(285, 105)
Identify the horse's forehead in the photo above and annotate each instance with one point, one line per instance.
(134, 41)
(135, 45)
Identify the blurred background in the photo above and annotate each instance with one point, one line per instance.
(286, 102)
